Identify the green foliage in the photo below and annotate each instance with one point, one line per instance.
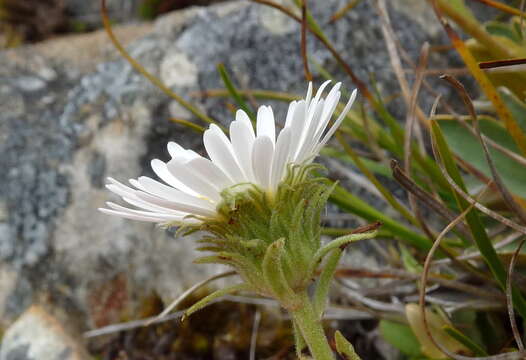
(148, 9)
(466, 341)
(401, 337)
(345, 348)
(467, 146)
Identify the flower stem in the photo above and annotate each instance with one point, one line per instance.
(311, 329)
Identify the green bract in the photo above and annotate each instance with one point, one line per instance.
(270, 239)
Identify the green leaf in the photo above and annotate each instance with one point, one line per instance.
(341, 242)
(344, 348)
(460, 7)
(233, 91)
(354, 205)
(321, 293)
(501, 29)
(467, 146)
(466, 341)
(213, 296)
(373, 166)
(401, 337)
(516, 106)
(475, 224)
(410, 263)
(273, 274)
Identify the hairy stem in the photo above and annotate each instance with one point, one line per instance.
(309, 324)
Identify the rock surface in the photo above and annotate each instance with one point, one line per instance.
(37, 335)
(68, 121)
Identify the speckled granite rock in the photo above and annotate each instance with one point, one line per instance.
(66, 124)
(38, 335)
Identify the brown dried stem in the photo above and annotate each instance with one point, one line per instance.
(348, 272)
(503, 7)
(407, 183)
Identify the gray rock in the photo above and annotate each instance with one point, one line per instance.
(37, 335)
(90, 115)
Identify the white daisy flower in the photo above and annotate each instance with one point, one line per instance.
(193, 184)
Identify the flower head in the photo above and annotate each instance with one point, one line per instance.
(193, 185)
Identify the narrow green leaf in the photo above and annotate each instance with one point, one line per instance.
(467, 146)
(397, 130)
(213, 296)
(502, 29)
(401, 337)
(466, 341)
(409, 261)
(345, 348)
(462, 9)
(341, 242)
(373, 166)
(370, 176)
(233, 91)
(273, 273)
(354, 205)
(475, 224)
(516, 106)
(323, 286)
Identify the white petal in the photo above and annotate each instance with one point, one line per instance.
(281, 158)
(243, 117)
(172, 195)
(309, 93)
(179, 153)
(220, 151)
(147, 205)
(166, 217)
(337, 123)
(316, 99)
(266, 125)
(313, 111)
(183, 207)
(210, 172)
(161, 169)
(242, 136)
(309, 131)
(290, 113)
(193, 180)
(119, 188)
(262, 155)
(131, 216)
(137, 184)
(296, 127)
(312, 142)
(174, 149)
(328, 111)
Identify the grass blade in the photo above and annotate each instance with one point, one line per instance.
(233, 91)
